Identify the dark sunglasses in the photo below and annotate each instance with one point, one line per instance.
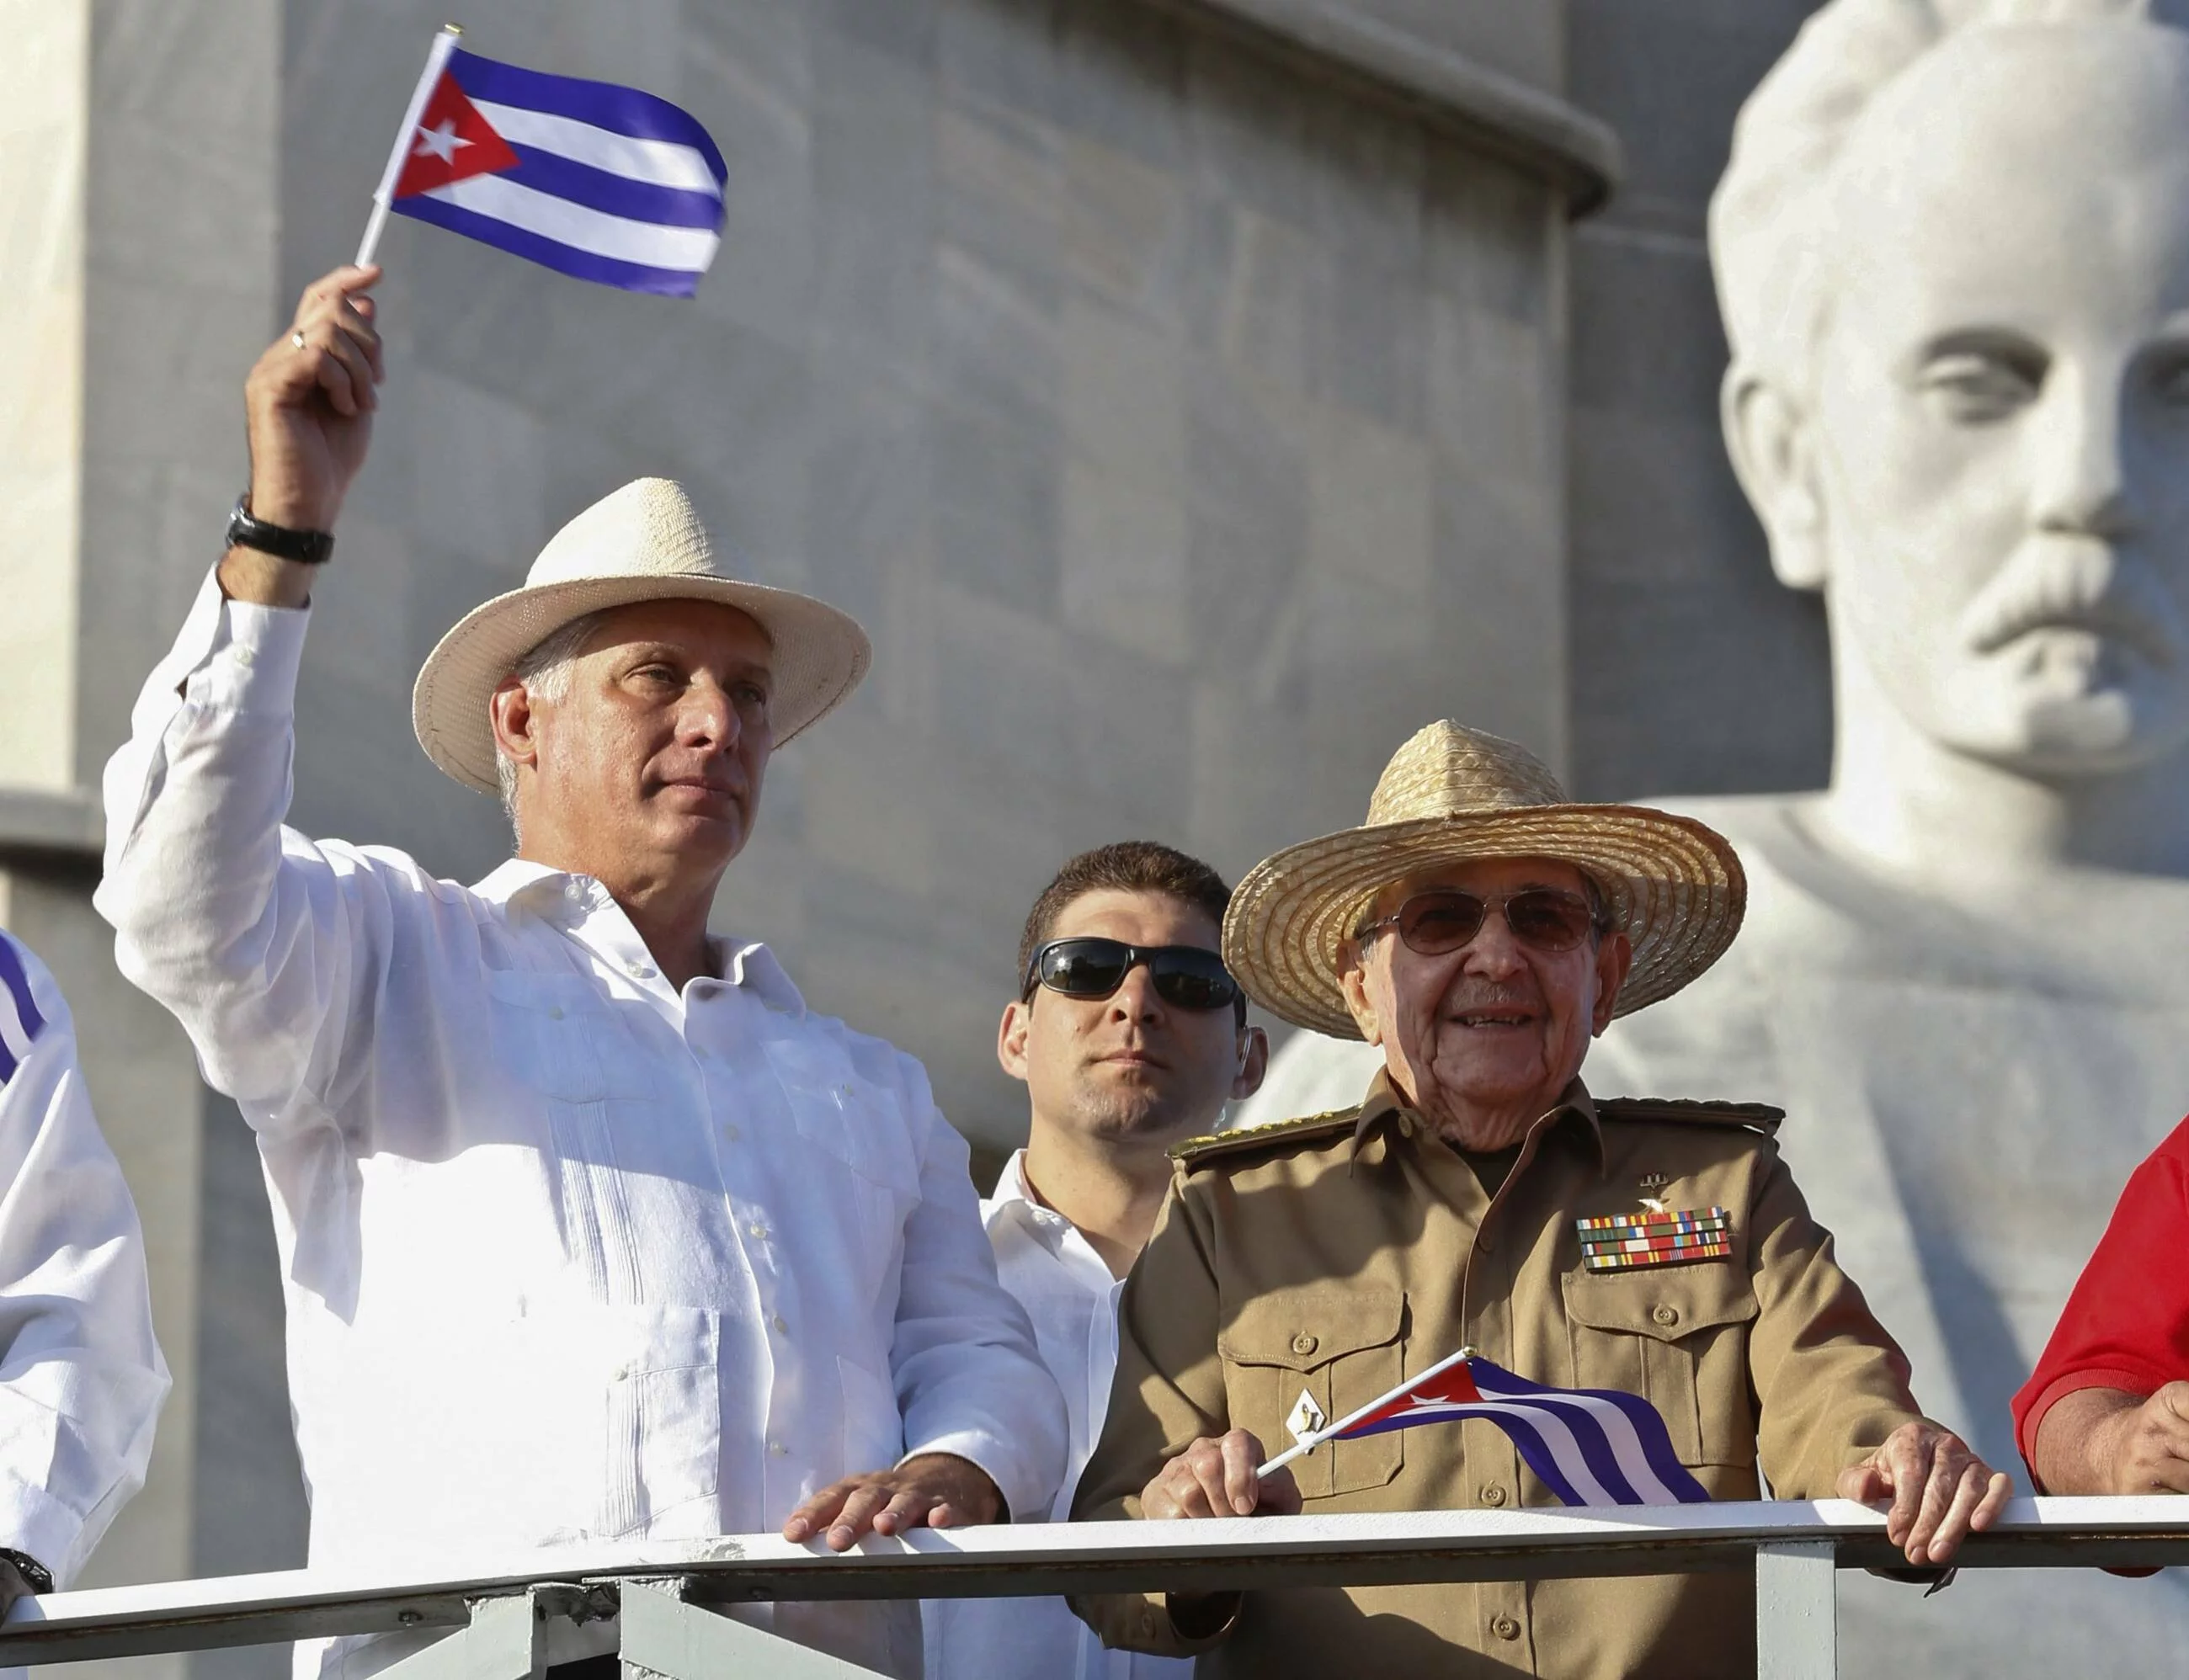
(1434, 924)
(1186, 977)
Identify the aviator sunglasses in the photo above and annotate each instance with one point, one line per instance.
(1437, 923)
(1186, 977)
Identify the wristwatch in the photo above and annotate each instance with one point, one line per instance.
(36, 1573)
(311, 547)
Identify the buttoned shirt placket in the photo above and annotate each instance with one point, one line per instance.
(1480, 1315)
(708, 1022)
(1089, 1275)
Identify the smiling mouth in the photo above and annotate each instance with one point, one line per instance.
(1492, 1017)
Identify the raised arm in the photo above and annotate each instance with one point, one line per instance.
(80, 1376)
(245, 932)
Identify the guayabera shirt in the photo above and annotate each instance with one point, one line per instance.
(569, 1253)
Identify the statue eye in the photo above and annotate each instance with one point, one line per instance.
(2170, 381)
(1975, 385)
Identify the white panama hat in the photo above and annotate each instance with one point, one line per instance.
(643, 542)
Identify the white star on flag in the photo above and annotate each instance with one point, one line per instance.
(442, 141)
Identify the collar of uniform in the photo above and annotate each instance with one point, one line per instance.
(1384, 1102)
(1380, 1103)
(571, 900)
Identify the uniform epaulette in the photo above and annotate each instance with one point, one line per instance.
(1758, 1117)
(1195, 1150)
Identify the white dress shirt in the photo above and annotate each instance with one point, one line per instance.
(568, 1254)
(1067, 1290)
(80, 1376)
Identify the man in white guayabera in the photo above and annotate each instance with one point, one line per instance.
(1952, 250)
(590, 1227)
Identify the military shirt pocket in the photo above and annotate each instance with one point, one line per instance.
(1342, 1346)
(1677, 1336)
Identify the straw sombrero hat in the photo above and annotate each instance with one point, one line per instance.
(1450, 794)
(643, 542)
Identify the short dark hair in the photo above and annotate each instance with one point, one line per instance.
(1125, 866)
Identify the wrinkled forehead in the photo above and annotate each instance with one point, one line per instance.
(2019, 169)
(709, 629)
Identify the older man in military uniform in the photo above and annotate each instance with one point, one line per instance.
(1480, 930)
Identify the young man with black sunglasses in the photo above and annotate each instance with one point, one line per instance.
(1130, 1036)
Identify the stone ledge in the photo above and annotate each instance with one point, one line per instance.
(37, 820)
(1535, 130)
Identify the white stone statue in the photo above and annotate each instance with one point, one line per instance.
(1952, 251)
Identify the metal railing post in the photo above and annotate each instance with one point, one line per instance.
(506, 1639)
(663, 1636)
(1798, 1611)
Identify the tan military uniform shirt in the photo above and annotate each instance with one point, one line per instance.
(1338, 1255)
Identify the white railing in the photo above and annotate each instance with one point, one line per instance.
(659, 1594)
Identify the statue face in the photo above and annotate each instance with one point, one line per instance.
(1998, 425)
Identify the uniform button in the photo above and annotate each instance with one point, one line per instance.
(639, 971)
(782, 1324)
(1493, 1494)
(244, 656)
(776, 1449)
(1147, 1619)
(621, 1373)
(757, 1232)
(555, 1011)
(1504, 1627)
(1304, 1344)
(1665, 1316)
(730, 1133)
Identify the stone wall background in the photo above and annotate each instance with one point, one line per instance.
(1695, 671)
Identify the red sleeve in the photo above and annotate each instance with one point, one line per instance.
(2126, 1326)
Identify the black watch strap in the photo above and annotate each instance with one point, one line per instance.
(311, 547)
(39, 1576)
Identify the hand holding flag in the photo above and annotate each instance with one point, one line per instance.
(1217, 1477)
(1590, 1446)
(309, 402)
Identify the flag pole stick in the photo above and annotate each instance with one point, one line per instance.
(437, 60)
(1308, 1443)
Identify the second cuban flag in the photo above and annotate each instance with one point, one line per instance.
(1590, 1446)
(603, 183)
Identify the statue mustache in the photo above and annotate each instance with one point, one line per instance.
(2077, 584)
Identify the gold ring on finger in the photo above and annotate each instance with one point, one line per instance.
(296, 338)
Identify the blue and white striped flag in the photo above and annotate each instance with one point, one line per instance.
(20, 1019)
(1590, 1446)
(600, 182)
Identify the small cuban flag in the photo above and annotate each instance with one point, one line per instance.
(1590, 1446)
(20, 1019)
(600, 182)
